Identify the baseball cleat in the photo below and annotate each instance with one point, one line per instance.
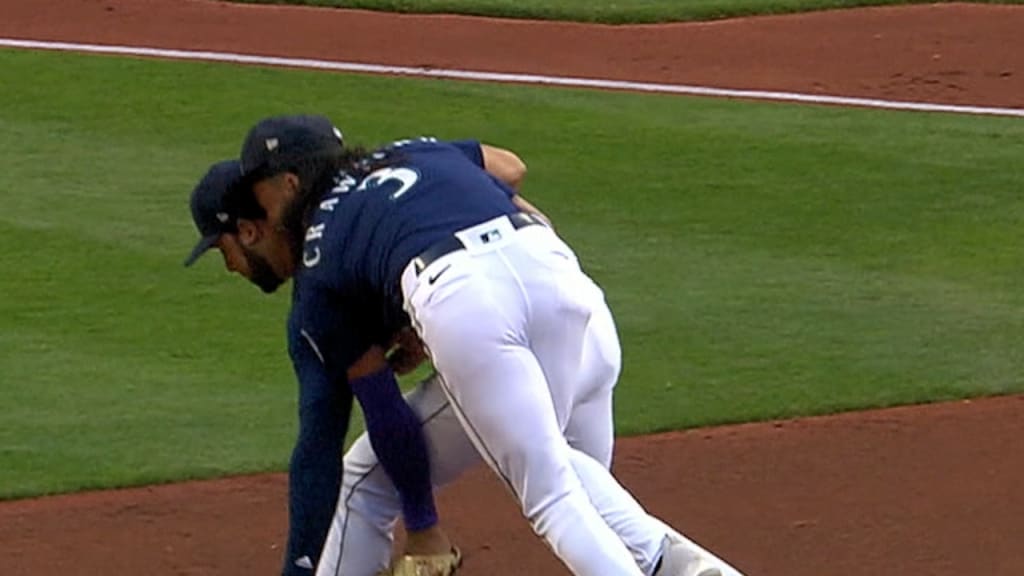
(433, 565)
(680, 558)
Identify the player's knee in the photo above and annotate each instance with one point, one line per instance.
(558, 505)
(544, 486)
(607, 365)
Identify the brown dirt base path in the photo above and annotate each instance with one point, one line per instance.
(934, 491)
(925, 491)
(949, 53)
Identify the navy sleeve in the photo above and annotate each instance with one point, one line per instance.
(508, 190)
(338, 335)
(397, 438)
(314, 477)
(471, 149)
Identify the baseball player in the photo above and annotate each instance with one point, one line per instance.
(523, 341)
(369, 506)
(324, 409)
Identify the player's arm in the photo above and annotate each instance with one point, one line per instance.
(314, 474)
(406, 351)
(525, 206)
(500, 163)
(396, 436)
(504, 165)
(392, 426)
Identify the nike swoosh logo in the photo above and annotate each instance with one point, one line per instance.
(434, 278)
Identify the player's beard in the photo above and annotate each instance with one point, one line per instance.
(261, 273)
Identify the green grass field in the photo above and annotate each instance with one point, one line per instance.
(606, 11)
(763, 260)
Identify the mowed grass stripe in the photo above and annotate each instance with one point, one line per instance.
(763, 260)
(604, 11)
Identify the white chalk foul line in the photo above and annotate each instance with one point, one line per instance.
(507, 78)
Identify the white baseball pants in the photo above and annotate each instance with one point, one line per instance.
(529, 356)
(546, 411)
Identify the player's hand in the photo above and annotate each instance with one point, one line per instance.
(407, 352)
(427, 542)
(427, 553)
(371, 362)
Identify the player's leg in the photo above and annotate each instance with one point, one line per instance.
(580, 359)
(473, 323)
(582, 362)
(517, 434)
(590, 430)
(589, 427)
(361, 535)
(684, 556)
(591, 424)
(362, 532)
(680, 555)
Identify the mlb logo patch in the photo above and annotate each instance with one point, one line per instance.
(490, 236)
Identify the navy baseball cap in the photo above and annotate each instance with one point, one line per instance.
(210, 206)
(275, 142)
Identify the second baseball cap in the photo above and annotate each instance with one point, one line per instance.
(211, 212)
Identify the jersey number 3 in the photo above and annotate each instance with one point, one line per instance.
(406, 178)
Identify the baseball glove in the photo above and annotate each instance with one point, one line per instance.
(434, 565)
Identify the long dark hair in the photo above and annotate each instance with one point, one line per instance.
(318, 174)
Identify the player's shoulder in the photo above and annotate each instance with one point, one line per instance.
(429, 146)
(414, 143)
(427, 143)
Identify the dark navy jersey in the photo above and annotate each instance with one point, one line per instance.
(370, 226)
(346, 297)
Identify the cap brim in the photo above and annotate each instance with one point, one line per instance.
(204, 244)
